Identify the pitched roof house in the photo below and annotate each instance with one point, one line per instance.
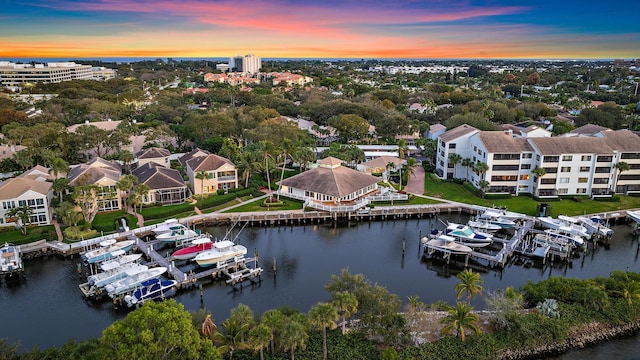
(157, 155)
(219, 173)
(26, 190)
(165, 185)
(105, 175)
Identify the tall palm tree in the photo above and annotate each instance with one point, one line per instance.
(454, 159)
(467, 163)
(259, 338)
(538, 172)
(59, 185)
(484, 186)
(59, 167)
(288, 147)
(470, 283)
(410, 168)
(22, 215)
(347, 305)
(231, 338)
(323, 316)
(460, 318)
(139, 191)
(124, 185)
(202, 176)
(127, 158)
(293, 336)
(249, 163)
(69, 215)
(266, 148)
(481, 168)
(209, 328)
(620, 167)
(244, 315)
(274, 320)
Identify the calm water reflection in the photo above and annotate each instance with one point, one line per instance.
(47, 309)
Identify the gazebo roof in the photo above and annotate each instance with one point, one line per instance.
(338, 181)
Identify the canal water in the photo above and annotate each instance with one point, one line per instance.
(47, 309)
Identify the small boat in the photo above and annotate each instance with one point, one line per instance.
(119, 257)
(634, 215)
(446, 244)
(129, 283)
(196, 247)
(503, 213)
(498, 218)
(565, 226)
(565, 237)
(483, 225)
(106, 250)
(466, 234)
(553, 243)
(105, 278)
(10, 260)
(595, 225)
(154, 289)
(178, 233)
(219, 252)
(165, 226)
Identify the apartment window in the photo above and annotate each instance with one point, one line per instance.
(586, 158)
(475, 148)
(524, 177)
(452, 146)
(504, 167)
(525, 166)
(548, 181)
(581, 190)
(567, 157)
(22, 203)
(537, 158)
(550, 170)
(565, 169)
(564, 180)
(563, 191)
(583, 180)
(584, 168)
(604, 158)
(551, 158)
(630, 156)
(602, 170)
(527, 155)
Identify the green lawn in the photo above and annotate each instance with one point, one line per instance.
(289, 204)
(524, 204)
(35, 233)
(106, 222)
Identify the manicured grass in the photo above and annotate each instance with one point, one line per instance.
(106, 222)
(36, 233)
(165, 212)
(289, 204)
(523, 204)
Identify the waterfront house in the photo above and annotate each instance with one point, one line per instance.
(220, 173)
(166, 185)
(30, 189)
(331, 187)
(104, 174)
(156, 155)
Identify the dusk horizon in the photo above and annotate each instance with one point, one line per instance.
(530, 30)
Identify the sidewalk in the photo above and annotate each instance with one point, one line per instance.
(415, 184)
(55, 224)
(138, 216)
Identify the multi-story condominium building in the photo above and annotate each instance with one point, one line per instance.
(30, 189)
(16, 74)
(565, 165)
(248, 64)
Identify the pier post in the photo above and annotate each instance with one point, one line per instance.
(403, 246)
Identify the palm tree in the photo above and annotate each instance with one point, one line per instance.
(22, 215)
(481, 168)
(460, 318)
(125, 184)
(629, 290)
(538, 172)
(484, 186)
(293, 336)
(244, 315)
(137, 198)
(69, 215)
(288, 148)
(403, 149)
(454, 159)
(59, 185)
(324, 315)
(248, 164)
(231, 339)
(127, 158)
(259, 338)
(467, 163)
(470, 283)
(347, 304)
(59, 167)
(266, 148)
(620, 167)
(209, 328)
(202, 176)
(410, 168)
(273, 319)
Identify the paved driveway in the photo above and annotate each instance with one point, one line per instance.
(416, 182)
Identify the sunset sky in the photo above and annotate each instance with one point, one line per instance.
(542, 29)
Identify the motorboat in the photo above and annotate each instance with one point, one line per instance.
(498, 218)
(154, 289)
(119, 257)
(10, 260)
(565, 237)
(634, 215)
(196, 247)
(104, 278)
(483, 225)
(505, 214)
(595, 225)
(178, 233)
(220, 251)
(466, 234)
(165, 226)
(106, 250)
(545, 240)
(129, 283)
(447, 244)
(565, 226)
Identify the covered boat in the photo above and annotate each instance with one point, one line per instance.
(107, 250)
(447, 244)
(196, 247)
(220, 251)
(154, 289)
(129, 283)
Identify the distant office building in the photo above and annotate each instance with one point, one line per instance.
(222, 67)
(248, 64)
(16, 74)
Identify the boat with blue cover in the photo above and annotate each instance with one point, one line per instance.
(154, 289)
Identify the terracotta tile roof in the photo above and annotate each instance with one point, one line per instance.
(12, 188)
(152, 153)
(501, 142)
(158, 177)
(455, 133)
(571, 145)
(93, 171)
(622, 140)
(208, 163)
(191, 154)
(337, 182)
